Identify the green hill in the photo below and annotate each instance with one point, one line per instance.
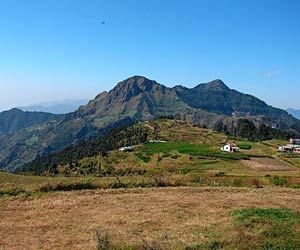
(185, 149)
(177, 154)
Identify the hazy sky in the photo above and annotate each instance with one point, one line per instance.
(59, 49)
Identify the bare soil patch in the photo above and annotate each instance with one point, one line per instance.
(69, 220)
(267, 164)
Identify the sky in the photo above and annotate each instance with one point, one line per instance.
(54, 50)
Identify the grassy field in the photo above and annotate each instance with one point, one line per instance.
(159, 218)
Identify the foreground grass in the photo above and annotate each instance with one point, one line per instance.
(253, 228)
(178, 218)
(269, 228)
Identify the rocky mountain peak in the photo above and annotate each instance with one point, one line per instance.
(133, 86)
(215, 85)
(140, 82)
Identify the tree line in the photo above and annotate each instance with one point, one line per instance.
(245, 128)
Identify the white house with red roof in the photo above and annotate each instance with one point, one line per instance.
(230, 147)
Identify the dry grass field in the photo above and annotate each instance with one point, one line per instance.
(174, 217)
(265, 164)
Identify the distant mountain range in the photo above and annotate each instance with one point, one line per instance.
(138, 99)
(294, 112)
(15, 120)
(56, 107)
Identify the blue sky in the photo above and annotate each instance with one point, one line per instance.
(58, 49)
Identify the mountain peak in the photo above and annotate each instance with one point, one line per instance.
(135, 84)
(215, 85)
(139, 80)
(13, 111)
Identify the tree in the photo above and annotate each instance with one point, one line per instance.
(246, 129)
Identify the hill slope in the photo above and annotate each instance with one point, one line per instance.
(137, 99)
(185, 146)
(15, 120)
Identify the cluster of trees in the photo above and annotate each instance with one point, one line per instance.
(170, 117)
(246, 129)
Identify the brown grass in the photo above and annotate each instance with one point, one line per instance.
(187, 215)
(267, 164)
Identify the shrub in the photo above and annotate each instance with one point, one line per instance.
(197, 179)
(13, 192)
(237, 183)
(143, 157)
(175, 156)
(279, 181)
(103, 242)
(159, 180)
(116, 185)
(244, 146)
(151, 246)
(256, 183)
(186, 170)
(220, 174)
(86, 184)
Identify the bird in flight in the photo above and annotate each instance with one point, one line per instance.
(102, 22)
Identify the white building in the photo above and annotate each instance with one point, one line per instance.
(230, 147)
(286, 148)
(157, 141)
(126, 148)
(295, 141)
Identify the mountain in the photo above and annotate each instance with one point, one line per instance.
(15, 120)
(139, 99)
(136, 97)
(216, 97)
(63, 107)
(294, 112)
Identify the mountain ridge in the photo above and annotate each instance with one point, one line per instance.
(57, 107)
(140, 99)
(14, 120)
(294, 112)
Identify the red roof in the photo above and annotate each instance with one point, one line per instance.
(231, 144)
